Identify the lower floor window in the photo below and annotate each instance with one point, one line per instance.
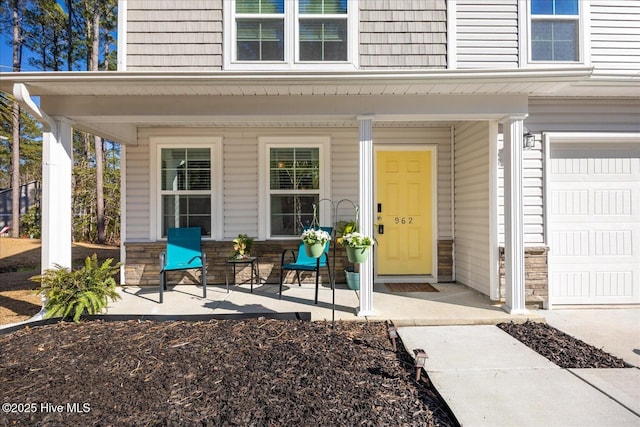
(291, 213)
(294, 188)
(186, 211)
(186, 190)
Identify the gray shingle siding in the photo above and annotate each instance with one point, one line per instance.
(403, 34)
(183, 35)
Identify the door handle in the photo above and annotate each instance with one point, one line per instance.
(380, 228)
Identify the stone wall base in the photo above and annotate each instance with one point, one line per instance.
(445, 260)
(536, 274)
(142, 264)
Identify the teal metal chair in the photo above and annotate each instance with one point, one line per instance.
(184, 252)
(303, 262)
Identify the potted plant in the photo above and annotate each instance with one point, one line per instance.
(242, 246)
(344, 227)
(72, 293)
(315, 241)
(357, 245)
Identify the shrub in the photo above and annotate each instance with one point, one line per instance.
(30, 223)
(73, 292)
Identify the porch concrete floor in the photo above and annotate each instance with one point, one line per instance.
(454, 304)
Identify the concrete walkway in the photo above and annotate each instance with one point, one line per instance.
(489, 378)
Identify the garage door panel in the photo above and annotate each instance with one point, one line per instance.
(612, 202)
(612, 243)
(594, 224)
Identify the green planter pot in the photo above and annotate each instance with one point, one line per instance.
(357, 255)
(314, 250)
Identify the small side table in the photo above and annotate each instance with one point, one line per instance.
(255, 271)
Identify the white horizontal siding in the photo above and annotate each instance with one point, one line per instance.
(615, 35)
(486, 34)
(240, 183)
(532, 173)
(137, 191)
(344, 171)
(590, 115)
(472, 205)
(174, 35)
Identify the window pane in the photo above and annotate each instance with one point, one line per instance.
(260, 40)
(565, 7)
(323, 6)
(554, 7)
(186, 211)
(542, 7)
(291, 213)
(259, 6)
(294, 169)
(323, 40)
(554, 41)
(186, 169)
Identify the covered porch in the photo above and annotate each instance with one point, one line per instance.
(124, 106)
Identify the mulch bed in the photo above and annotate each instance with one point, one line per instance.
(221, 372)
(560, 348)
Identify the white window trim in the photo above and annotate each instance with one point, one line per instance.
(291, 23)
(584, 37)
(323, 143)
(157, 143)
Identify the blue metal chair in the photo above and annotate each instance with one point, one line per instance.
(184, 252)
(303, 262)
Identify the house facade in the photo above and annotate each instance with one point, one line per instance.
(495, 144)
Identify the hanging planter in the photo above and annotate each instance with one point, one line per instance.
(357, 254)
(358, 246)
(315, 241)
(314, 250)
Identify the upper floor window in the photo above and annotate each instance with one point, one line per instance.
(323, 30)
(260, 30)
(555, 30)
(290, 34)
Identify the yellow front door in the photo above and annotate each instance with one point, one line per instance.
(404, 212)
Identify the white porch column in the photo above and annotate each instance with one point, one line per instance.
(513, 217)
(365, 202)
(56, 195)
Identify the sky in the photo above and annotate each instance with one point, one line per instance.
(6, 53)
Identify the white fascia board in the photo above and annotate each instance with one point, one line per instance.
(123, 83)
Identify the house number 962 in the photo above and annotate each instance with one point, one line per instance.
(403, 220)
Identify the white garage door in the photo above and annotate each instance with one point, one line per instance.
(594, 224)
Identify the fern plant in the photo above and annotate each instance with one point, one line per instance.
(74, 292)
